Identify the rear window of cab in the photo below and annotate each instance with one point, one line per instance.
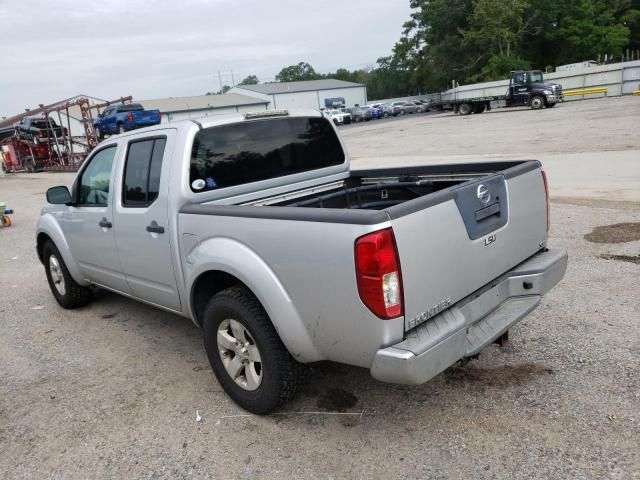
(255, 150)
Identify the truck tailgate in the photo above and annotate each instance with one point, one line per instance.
(457, 240)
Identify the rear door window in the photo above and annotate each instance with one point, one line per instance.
(257, 150)
(142, 172)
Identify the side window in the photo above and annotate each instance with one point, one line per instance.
(142, 172)
(93, 186)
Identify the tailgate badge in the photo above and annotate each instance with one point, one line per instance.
(490, 239)
(483, 193)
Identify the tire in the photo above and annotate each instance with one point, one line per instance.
(279, 376)
(536, 102)
(6, 220)
(30, 164)
(479, 108)
(385, 114)
(120, 128)
(465, 108)
(419, 110)
(98, 133)
(71, 295)
(402, 112)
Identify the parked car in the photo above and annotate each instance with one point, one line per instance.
(388, 110)
(405, 107)
(37, 130)
(375, 112)
(124, 117)
(338, 117)
(425, 104)
(357, 114)
(258, 231)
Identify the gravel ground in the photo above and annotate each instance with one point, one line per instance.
(112, 390)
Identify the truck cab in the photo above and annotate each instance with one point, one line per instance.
(527, 88)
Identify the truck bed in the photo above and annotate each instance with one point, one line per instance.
(450, 242)
(379, 189)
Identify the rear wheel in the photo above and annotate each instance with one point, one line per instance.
(120, 128)
(537, 102)
(479, 108)
(465, 108)
(246, 353)
(67, 292)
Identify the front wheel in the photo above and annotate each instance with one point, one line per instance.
(246, 353)
(67, 292)
(537, 102)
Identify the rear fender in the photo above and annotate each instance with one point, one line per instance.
(48, 225)
(235, 258)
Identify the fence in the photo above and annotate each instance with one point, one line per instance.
(617, 78)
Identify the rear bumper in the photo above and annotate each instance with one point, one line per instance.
(472, 324)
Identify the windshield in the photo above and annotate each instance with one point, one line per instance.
(536, 77)
(262, 149)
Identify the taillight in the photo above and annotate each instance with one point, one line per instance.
(40, 133)
(378, 274)
(130, 117)
(546, 194)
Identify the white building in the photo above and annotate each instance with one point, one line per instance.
(314, 94)
(181, 108)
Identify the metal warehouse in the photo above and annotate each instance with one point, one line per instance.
(181, 108)
(315, 94)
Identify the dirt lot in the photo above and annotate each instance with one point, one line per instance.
(112, 390)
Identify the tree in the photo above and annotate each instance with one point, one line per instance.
(250, 80)
(294, 73)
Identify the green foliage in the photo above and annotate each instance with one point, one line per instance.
(499, 67)
(250, 80)
(294, 73)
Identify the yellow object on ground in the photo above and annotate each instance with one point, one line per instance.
(586, 91)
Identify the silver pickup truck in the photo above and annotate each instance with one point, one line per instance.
(254, 226)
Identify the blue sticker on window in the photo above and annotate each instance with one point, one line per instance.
(211, 183)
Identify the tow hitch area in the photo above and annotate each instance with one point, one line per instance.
(502, 340)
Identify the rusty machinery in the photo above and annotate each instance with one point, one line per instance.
(53, 152)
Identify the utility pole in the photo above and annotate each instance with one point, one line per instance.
(233, 82)
(220, 80)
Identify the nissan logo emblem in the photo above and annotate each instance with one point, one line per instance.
(483, 193)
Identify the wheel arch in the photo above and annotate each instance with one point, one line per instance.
(48, 229)
(223, 263)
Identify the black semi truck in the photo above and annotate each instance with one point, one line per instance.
(526, 88)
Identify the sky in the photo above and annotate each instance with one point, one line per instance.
(52, 50)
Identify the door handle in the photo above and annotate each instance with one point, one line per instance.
(153, 227)
(104, 223)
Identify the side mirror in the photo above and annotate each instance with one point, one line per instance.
(58, 195)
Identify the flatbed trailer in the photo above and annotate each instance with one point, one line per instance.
(526, 89)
